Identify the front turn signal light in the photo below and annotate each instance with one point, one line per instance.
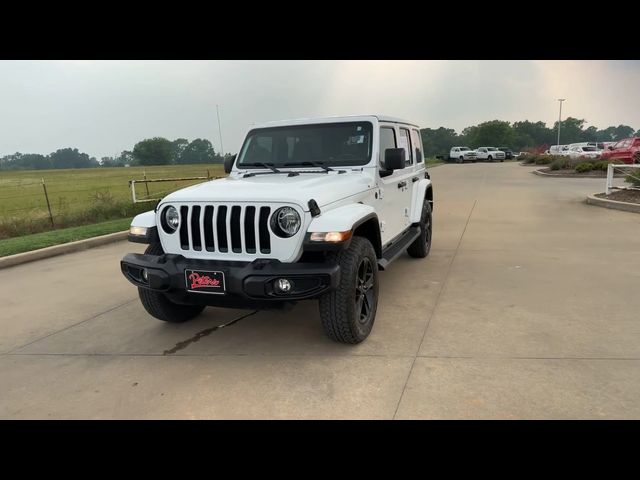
(331, 237)
(138, 231)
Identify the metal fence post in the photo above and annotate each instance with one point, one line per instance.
(144, 175)
(46, 196)
(609, 179)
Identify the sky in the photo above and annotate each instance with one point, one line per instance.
(105, 107)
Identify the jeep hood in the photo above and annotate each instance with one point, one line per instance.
(324, 188)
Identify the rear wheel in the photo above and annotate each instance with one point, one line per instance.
(422, 245)
(159, 306)
(348, 312)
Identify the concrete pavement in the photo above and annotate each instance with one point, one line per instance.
(527, 307)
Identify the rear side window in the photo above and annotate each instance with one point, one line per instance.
(387, 140)
(417, 146)
(405, 142)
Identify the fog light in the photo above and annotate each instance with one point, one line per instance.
(145, 276)
(283, 285)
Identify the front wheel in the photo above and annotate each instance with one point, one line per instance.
(159, 306)
(490, 158)
(349, 311)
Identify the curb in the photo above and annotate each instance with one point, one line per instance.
(570, 175)
(61, 249)
(613, 204)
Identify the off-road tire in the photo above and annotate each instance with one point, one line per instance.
(159, 306)
(341, 309)
(421, 246)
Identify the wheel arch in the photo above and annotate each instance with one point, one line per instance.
(369, 228)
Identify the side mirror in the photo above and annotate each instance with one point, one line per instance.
(394, 159)
(418, 155)
(228, 163)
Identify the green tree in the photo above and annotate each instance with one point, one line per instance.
(571, 130)
(153, 151)
(71, 158)
(198, 151)
(623, 131)
(529, 135)
(495, 133)
(438, 141)
(178, 147)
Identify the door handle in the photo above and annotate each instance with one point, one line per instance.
(402, 184)
(415, 179)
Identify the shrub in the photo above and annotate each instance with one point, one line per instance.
(633, 178)
(557, 164)
(584, 167)
(601, 165)
(544, 160)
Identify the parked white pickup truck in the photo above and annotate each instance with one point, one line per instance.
(490, 154)
(462, 154)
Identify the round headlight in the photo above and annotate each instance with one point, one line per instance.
(285, 222)
(171, 219)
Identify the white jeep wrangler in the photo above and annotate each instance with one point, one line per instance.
(312, 208)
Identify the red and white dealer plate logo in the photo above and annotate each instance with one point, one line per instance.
(204, 282)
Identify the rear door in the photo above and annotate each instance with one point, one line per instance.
(408, 144)
(394, 188)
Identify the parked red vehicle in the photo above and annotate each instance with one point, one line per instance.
(625, 151)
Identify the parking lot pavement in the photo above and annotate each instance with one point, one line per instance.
(527, 307)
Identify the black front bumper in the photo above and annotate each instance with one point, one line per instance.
(247, 284)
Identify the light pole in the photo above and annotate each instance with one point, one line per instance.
(560, 119)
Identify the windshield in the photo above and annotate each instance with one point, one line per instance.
(589, 149)
(331, 144)
(463, 149)
(491, 149)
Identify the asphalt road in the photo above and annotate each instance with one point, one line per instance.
(527, 307)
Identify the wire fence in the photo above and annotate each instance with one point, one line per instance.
(629, 173)
(32, 201)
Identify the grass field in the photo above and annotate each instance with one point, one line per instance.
(26, 243)
(84, 196)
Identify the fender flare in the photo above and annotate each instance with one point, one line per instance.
(146, 219)
(342, 218)
(419, 192)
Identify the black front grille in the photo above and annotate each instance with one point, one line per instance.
(224, 229)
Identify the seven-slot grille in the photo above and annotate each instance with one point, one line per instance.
(225, 228)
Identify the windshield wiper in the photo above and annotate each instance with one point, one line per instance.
(313, 164)
(262, 164)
